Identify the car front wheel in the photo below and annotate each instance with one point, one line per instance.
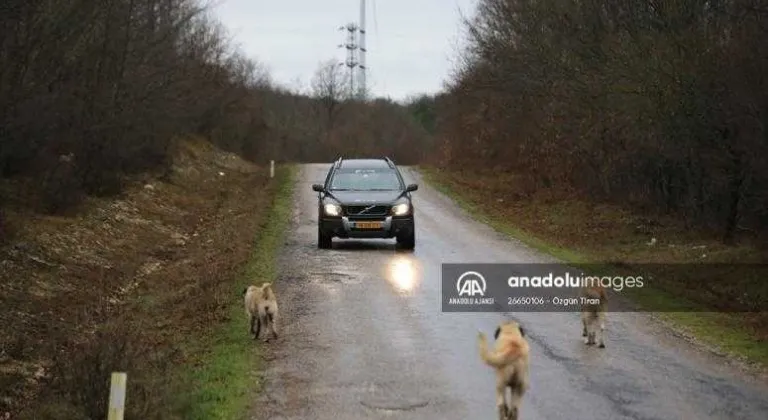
(407, 241)
(323, 241)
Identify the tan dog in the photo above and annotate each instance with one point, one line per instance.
(510, 360)
(593, 302)
(261, 308)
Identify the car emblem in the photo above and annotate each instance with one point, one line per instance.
(366, 209)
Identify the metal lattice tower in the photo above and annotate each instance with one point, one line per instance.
(362, 48)
(351, 45)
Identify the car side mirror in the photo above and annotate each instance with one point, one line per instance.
(318, 187)
(412, 187)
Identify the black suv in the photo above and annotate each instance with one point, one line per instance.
(365, 198)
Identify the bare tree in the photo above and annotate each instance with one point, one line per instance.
(330, 88)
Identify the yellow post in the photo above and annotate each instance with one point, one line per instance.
(117, 396)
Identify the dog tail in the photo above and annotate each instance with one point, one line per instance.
(266, 290)
(510, 352)
(598, 293)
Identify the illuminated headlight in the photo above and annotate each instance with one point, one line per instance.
(401, 209)
(332, 210)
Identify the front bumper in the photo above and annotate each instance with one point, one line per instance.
(343, 227)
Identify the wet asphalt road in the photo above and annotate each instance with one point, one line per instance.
(363, 336)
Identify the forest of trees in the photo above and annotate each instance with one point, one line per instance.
(91, 91)
(661, 105)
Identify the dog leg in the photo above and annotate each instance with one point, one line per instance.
(501, 403)
(503, 412)
(273, 324)
(512, 415)
(265, 320)
(517, 389)
(602, 334)
(255, 324)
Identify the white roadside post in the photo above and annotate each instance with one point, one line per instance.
(271, 168)
(117, 396)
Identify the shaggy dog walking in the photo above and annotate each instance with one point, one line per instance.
(261, 308)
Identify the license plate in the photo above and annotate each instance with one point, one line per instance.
(368, 225)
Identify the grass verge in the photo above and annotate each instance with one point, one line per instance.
(566, 230)
(140, 283)
(224, 382)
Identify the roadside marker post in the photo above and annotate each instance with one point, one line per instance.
(117, 396)
(271, 168)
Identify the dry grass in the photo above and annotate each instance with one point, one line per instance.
(126, 283)
(607, 232)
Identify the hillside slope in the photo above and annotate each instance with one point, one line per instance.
(127, 283)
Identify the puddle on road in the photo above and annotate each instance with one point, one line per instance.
(394, 404)
(389, 398)
(332, 278)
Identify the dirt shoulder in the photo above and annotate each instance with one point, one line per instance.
(576, 230)
(134, 283)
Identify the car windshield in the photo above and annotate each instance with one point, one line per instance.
(365, 179)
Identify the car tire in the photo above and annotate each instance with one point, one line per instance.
(323, 241)
(407, 242)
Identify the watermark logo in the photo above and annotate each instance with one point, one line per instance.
(556, 287)
(471, 284)
(471, 290)
(617, 283)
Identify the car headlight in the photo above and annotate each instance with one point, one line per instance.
(332, 209)
(401, 209)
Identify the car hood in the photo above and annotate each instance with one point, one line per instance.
(366, 197)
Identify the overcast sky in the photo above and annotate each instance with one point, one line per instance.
(410, 43)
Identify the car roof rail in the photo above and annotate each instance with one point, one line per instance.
(389, 161)
(337, 163)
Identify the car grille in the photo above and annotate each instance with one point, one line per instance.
(374, 211)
